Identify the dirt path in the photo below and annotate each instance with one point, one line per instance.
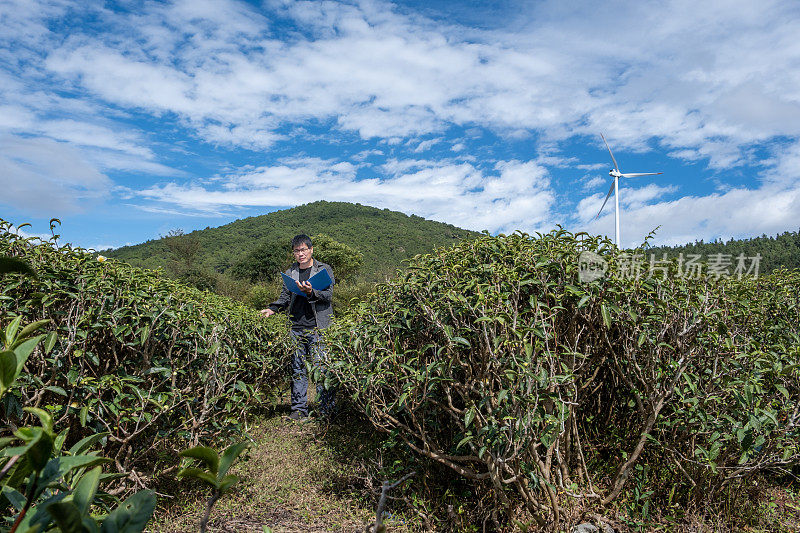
(292, 482)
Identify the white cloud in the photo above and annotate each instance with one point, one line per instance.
(707, 78)
(48, 177)
(515, 195)
(426, 145)
(94, 136)
(595, 182)
(593, 166)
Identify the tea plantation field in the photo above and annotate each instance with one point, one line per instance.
(521, 398)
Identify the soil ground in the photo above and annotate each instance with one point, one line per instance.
(293, 480)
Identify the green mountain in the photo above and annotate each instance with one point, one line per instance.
(384, 237)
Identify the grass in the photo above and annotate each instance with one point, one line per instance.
(308, 477)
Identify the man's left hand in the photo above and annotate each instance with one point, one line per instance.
(305, 287)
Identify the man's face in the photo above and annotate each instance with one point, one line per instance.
(302, 253)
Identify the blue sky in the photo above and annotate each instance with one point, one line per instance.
(128, 119)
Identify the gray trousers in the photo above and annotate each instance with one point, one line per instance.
(309, 347)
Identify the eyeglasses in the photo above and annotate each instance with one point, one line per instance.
(299, 251)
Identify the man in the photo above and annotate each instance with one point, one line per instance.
(309, 314)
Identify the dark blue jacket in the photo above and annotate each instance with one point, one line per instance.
(320, 300)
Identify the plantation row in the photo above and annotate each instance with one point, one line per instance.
(136, 354)
(492, 358)
(140, 365)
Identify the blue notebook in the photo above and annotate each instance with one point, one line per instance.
(319, 281)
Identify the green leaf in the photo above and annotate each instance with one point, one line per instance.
(24, 349)
(572, 289)
(86, 443)
(58, 442)
(40, 451)
(57, 390)
(15, 478)
(86, 488)
(402, 398)
(37, 448)
(50, 342)
(28, 330)
(132, 515)
(227, 482)
(13, 496)
(11, 330)
(229, 456)
(462, 341)
(464, 441)
(583, 301)
(159, 369)
(58, 467)
(200, 474)
(67, 516)
(206, 455)
(606, 316)
(44, 418)
(469, 416)
(8, 370)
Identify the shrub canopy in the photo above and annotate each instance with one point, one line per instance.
(152, 361)
(493, 358)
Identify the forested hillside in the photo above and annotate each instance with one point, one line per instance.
(384, 237)
(780, 251)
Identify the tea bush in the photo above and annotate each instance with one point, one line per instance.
(492, 358)
(154, 363)
(42, 484)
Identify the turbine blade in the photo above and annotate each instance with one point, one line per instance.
(609, 151)
(636, 175)
(611, 190)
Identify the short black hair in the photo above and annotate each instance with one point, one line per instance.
(301, 239)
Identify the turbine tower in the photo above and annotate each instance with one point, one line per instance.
(616, 174)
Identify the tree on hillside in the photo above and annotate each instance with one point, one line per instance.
(184, 250)
(782, 250)
(264, 263)
(345, 261)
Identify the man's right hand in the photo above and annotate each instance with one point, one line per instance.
(267, 312)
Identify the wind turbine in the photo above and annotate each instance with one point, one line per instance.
(616, 174)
